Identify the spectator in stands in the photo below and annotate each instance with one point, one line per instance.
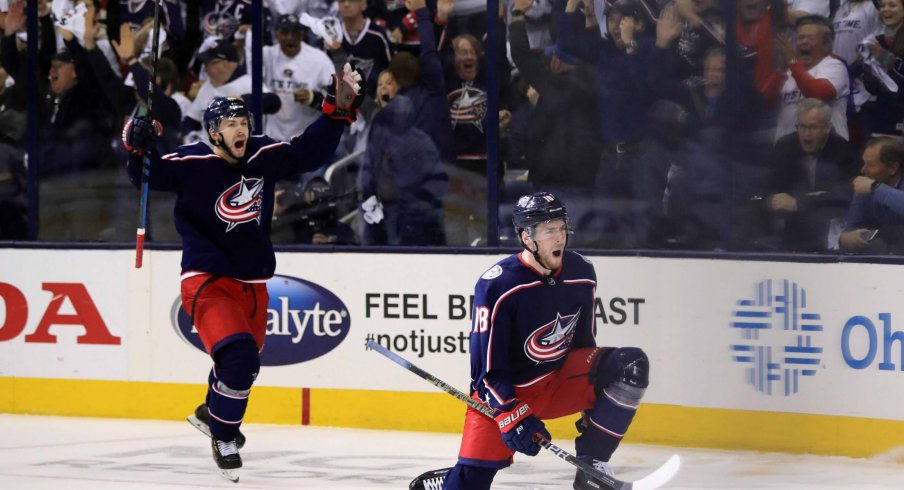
(881, 76)
(467, 95)
(466, 87)
(364, 43)
(76, 125)
(853, 22)
(13, 64)
(400, 23)
(225, 78)
(811, 173)
(298, 73)
(560, 147)
(135, 14)
(122, 97)
(812, 72)
(875, 220)
(621, 61)
(409, 144)
(756, 23)
(702, 27)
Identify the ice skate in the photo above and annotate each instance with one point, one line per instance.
(201, 421)
(226, 454)
(583, 481)
(429, 480)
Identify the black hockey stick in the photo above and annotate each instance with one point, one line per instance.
(652, 481)
(146, 161)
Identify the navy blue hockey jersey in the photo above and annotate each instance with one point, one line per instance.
(223, 212)
(525, 323)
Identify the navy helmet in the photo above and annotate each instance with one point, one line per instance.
(225, 108)
(537, 208)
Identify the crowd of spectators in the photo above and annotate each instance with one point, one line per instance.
(656, 130)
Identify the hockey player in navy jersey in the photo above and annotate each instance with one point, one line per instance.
(534, 357)
(224, 205)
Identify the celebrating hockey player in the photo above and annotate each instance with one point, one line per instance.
(224, 205)
(534, 357)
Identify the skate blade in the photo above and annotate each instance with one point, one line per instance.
(231, 475)
(201, 426)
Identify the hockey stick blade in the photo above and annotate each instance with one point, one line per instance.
(662, 475)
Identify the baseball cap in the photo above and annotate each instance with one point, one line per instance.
(628, 8)
(65, 56)
(289, 21)
(223, 50)
(558, 52)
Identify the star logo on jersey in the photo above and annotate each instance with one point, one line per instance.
(551, 341)
(468, 105)
(241, 202)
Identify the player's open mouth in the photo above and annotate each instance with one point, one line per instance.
(240, 144)
(557, 253)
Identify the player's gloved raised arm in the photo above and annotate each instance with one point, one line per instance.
(344, 95)
(519, 426)
(140, 134)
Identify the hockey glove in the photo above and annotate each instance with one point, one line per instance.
(140, 134)
(519, 426)
(344, 95)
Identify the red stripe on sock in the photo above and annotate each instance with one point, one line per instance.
(305, 406)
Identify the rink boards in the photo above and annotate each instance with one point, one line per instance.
(797, 357)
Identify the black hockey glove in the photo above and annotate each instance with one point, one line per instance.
(344, 95)
(140, 134)
(519, 426)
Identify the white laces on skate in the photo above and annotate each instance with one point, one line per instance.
(227, 448)
(603, 467)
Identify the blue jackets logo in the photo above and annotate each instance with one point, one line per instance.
(778, 337)
(304, 321)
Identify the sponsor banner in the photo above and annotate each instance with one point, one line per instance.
(783, 337)
(63, 314)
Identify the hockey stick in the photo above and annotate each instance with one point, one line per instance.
(146, 161)
(652, 481)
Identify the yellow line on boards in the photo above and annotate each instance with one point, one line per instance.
(439, 412)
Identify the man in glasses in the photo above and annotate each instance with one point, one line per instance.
(811, 171)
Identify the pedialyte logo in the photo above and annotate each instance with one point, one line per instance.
(779, 337)
(304, 321)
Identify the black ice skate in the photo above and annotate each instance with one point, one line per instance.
(226, 454)
(431, 480)
(583, 481)
(201, 420)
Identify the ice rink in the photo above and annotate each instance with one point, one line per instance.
(56, 453)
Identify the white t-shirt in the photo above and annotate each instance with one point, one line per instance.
(235, 88)
(310, 69)
(853, 22)
(831, 69)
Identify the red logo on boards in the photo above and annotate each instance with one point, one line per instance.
(85, 316)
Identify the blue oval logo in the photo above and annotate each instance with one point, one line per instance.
(304, 321)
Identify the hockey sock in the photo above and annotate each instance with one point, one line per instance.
(235, 370)
(605, 425)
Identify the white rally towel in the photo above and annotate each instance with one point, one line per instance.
(327, 28)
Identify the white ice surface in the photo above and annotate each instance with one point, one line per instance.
(60, 453)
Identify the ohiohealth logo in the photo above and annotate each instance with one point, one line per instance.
(777, 337)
